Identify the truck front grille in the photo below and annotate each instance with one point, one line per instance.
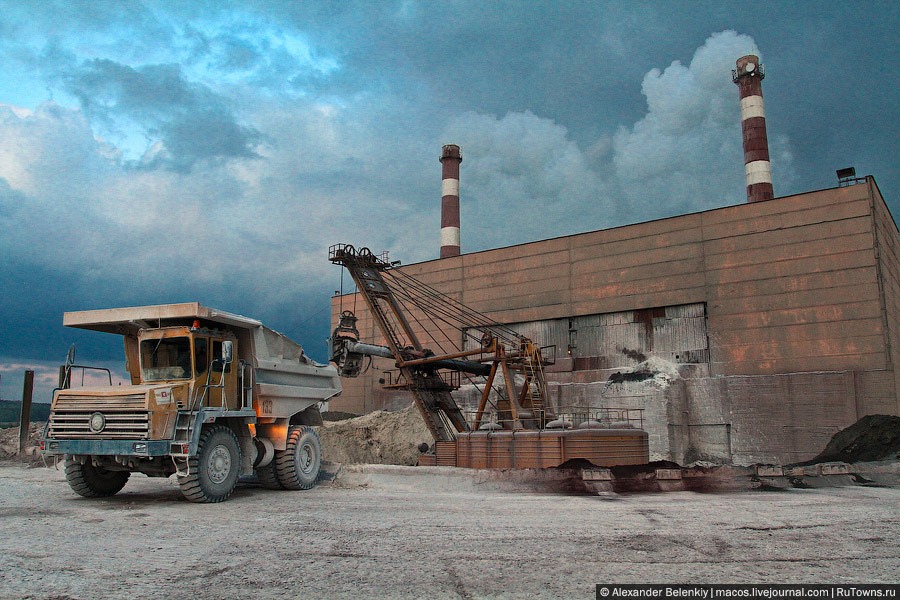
(126, 417)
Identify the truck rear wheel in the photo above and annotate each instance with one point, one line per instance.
(297, 466)
(268, 478)
(94, 482)
(213, 473)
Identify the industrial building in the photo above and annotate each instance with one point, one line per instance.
(747, 334)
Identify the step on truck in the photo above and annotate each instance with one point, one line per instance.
(213, 396)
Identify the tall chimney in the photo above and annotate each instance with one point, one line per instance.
(748, 76)
(450, 159)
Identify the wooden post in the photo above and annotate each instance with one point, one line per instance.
(25, 413)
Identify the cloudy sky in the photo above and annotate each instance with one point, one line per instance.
(155, 152)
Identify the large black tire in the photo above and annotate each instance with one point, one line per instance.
(297, 466)
(213, 473)
(268, 478)
(94, 482)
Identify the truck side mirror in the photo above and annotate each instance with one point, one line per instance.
(227, 352)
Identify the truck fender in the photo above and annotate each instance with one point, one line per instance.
(310, 416)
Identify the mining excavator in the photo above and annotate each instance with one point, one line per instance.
(515, 425)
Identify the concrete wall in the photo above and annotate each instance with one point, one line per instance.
(887, 249)
(802, 298)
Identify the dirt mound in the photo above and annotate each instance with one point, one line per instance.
(337, 415)
(9, 444)
(872, 438)
(388, 438)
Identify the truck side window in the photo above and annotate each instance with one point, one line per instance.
(201, 354)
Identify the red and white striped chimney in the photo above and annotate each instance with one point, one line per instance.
(450, 159)
(748, 76)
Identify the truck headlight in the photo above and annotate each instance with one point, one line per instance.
(98, 422)
(140, 448)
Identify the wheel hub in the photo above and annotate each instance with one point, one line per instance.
(219, 464)
(305, 458)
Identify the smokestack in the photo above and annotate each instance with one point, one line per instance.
(748, 76)
(450, 159)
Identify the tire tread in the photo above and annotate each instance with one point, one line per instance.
(191, 486)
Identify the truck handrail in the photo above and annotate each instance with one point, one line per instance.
(67, 377)
(246, 384)
(207, 386)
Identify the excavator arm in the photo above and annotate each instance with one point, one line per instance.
(395, 300)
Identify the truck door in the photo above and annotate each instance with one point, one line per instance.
(208, 367)
(202, 364)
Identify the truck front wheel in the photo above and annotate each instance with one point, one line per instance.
(213, 473)
(93, 482)
(297, 466)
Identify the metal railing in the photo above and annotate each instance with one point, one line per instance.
(393, 378)
(67, 376)
(246, 383)
(573, 417)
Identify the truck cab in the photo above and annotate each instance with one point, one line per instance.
(189, 359)
(213, 396)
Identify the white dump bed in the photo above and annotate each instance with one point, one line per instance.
(127, 321)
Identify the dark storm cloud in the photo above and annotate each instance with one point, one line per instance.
(578, 63)
(129, 170)
(191, 121)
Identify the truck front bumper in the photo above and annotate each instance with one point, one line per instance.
(108, 447)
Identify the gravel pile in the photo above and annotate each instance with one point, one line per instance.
(872, 438)
(9, 444)
(387, 438)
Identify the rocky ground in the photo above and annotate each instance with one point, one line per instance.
(414, 532)
(9, 445)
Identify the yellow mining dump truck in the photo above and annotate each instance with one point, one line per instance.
(213, 396)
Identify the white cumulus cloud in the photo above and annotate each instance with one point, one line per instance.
(524, 178)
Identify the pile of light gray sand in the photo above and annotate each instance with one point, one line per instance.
(388, 438)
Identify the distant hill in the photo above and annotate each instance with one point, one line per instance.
(9, 412)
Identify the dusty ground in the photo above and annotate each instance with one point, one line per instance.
(406, 532)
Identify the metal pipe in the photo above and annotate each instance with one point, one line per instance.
(429, 359)
(466, 366)
(369, 349)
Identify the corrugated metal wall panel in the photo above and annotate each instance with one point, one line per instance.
(616, 318)
(674, 335)
(686, 311)
(613, 340)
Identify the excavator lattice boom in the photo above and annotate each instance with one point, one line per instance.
(515, 425)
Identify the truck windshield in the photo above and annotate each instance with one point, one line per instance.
(166, 358)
